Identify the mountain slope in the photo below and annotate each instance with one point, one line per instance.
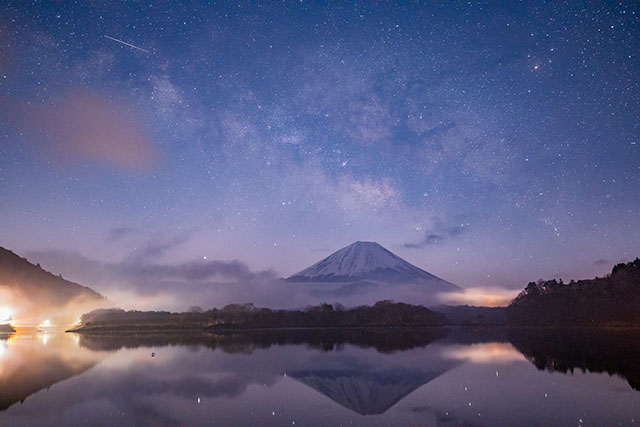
(367, 261)
(25, 284)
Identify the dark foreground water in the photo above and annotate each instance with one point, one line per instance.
(353, 377)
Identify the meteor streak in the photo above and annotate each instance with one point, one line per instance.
(126, 44)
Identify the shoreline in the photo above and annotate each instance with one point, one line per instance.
(156, 330)
(226, 330)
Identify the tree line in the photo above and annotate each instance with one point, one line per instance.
(613, 300)
(247, 316)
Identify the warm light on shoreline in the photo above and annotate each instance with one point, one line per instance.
(480, 296)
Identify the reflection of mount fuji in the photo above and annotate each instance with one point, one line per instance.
(365, 370)
(370, 383)
(367, 393)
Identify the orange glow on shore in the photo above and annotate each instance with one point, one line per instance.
(480, 296)
(26, 325)
(18, 325)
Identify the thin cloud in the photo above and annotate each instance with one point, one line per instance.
(84, 125)
(118, 233)
(439, 233)
(138, 284)
(429, 239)
(157, 248)
(153, 249)
(194, 271)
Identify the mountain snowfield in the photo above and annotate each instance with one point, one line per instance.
(367, 267)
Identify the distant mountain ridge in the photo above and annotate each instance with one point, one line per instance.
(363, 267)
(34, 285)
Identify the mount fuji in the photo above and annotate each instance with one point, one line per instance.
(368, 265)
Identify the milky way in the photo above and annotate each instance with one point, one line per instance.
(489, 145)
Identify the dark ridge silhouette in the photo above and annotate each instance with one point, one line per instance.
(613, 300)
(18, 386)
(6, 329)
(246, 316)
(615, 351)
(32, 371)
(383, 340)
(38, 286)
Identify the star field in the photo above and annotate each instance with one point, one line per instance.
(491, 145)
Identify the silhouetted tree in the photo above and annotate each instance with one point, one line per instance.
(610, 300)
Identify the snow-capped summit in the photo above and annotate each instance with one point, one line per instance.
(366, 261)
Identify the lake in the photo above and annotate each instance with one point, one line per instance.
(368, 377)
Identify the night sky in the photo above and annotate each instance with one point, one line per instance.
(489, 145)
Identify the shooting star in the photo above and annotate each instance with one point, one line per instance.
(127, 44)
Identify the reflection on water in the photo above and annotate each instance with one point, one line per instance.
(321, 377)
(31, 362)
(492, 352)
(614, 351)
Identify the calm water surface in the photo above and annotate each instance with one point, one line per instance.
(383, 377)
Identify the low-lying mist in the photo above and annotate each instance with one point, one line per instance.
(25, 311)
(142, 285)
